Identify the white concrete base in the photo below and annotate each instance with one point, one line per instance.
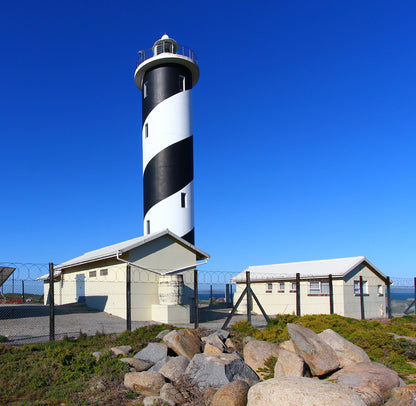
(171, 313)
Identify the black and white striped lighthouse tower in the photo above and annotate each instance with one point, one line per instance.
(165, 75)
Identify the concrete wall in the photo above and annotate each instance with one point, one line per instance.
(374, 304)
(346, 303)
(86, 283)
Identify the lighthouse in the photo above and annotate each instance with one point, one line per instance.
(166, 74)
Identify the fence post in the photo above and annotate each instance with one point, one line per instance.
(362, 298)
(23, 291)
(388, 297)
(298, 294)
(227, 294)
(248, 296)
(196, 311)
(51, 303)
(210, 295)
(331, 295)
(128, 297)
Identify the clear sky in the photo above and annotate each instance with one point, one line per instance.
(304, 128)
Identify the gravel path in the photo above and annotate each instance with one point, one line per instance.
(24, 324)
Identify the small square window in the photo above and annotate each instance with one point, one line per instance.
(357, 289)
(181, 83)
(144, 90)
(293, 287)
(269, 286)
(380, 290)
(103, 272)
(281, 286)
(183, 200)
(92, 274)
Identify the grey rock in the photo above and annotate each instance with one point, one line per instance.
(299, 391)
(289, 364)
(157, 401)
(217, 370)
(175, 368)
(138, 364)
(171, 394)
(183, 342)
(319, 356)
(347, 352)
(159, 364)
(121, 350)
(154, 352)
(372, 381)
(214, 340)
(162, 334)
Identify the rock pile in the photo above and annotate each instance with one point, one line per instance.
(191, 367)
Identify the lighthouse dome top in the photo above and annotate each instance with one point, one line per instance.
(166, 50)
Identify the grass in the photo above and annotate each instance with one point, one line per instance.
(66, 373)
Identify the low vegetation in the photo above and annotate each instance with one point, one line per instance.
(66, 373)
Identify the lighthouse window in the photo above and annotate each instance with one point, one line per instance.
(181, 83)
(145, 90)
(147, 226)
(146, 130)
(183, 200)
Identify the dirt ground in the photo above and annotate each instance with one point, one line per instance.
(29, 323)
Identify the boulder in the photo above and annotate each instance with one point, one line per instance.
(403, 396)
(372, 381)
(171, 394)
(162, 334)
(157, 401)
(154, 352)
(289, 364)
(209, 394)
(287, 345)
(217, 370)
(232, 394)
(289, 391)
(257, 352)
(319, 356)
(212, 349)
(138, 364)
(175, 368)
(121, 350)
(183, 342)
(161, 363)
(229, 344)
(347, 352)
(213, 340)
(147, 383)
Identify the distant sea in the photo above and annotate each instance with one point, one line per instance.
(401, 295)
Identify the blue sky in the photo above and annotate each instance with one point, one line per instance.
(304, 128)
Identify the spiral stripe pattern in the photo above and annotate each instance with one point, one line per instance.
(168, 151)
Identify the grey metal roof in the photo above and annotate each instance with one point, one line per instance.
(111, 251)
(309, 269)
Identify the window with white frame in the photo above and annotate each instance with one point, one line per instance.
(293, 287)
(318, 288)
(92, 274)
(281, 286)
(269, 287)
(357, 290)
(103, 272)
(380, 291)
(181, 83)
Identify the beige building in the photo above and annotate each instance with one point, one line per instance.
(275, 287)
(162, 278)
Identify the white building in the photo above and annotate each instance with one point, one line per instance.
(162, 278)
(275, 287)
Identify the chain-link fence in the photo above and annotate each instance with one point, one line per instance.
(113, 299)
